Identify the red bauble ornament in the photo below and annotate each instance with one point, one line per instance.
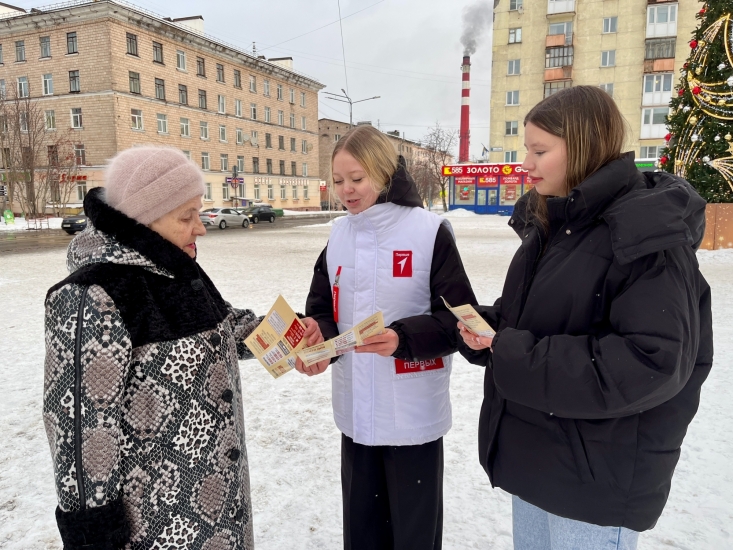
(667, 137)
(696, 90)
(685, 65)
(664, 159)
(681, 92)
(702, 11)
(693, 44)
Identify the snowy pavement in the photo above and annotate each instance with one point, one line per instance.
(292, 442)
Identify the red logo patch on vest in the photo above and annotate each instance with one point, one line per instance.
(407, 367)
(402, 263)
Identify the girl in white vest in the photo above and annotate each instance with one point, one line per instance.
(391, 397)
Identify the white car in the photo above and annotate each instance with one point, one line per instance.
(223, 217)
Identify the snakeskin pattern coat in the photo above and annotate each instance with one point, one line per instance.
(142, 400)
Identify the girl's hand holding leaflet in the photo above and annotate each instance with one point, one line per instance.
(313, 336)
(476, 343)
(384, 344)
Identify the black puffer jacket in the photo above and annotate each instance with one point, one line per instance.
(603, 343)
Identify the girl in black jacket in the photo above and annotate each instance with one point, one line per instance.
(604, 334)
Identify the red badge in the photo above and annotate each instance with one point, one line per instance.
(407, 367)
(402, 263)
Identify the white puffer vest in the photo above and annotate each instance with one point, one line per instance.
(383, 258)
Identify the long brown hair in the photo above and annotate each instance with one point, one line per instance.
(594, 131)
(373, 150)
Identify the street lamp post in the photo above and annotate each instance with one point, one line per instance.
(344, 98)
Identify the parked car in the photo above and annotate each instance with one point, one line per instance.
(259, 212)
(223, 217)
(72, 224)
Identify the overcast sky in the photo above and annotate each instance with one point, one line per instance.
(406, 51)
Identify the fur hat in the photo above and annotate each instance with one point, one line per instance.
(145, 183)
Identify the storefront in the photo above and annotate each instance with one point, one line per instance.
(291, 193)
(486, 188)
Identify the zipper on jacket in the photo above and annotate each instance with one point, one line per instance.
(77, 400)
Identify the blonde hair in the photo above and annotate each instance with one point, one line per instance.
(594, 131)
(373, 150)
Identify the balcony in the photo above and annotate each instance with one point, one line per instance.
(555, 40)
(560, 6)
(658, 65)
(661, 1)
(559, 73)
(660, 48)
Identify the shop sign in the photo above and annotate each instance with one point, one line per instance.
(482, 169)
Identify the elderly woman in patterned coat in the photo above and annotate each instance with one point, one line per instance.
(142, 398)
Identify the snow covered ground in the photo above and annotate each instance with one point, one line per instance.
(21, 225)
(292, 442)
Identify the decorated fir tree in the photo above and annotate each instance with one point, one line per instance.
(700, 140)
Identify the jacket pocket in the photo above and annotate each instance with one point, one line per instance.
(421, 399)
(577, 447)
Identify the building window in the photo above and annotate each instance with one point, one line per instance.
(157, 52)
(660, 48)
(304, 146)
(23, 123)
(566, 28)
(302, 99)
(657, 89)
(281, 118)
(20, 50)
(71, 45)
(76, 121)
(266, 88)
(268, 141)
(162, 123)
(295, 192)
(202, 99)
(292, 120)
(187, 154)
(267, 114)
(254, 139)
(224, 187)
(292, 96)
(200, 67)
(554, 87)
(183, 94)
(1, 54)
(48, 84)
(650, 152)
(253, 111)
(558, 57)
(205, 160)
(208, 195)
(303, 123)
(610, 24)
(512, 128)
(512, 97)
(270, 192)
(237, 78)
(23, 86)
(219, 72)
(293, 148)
(137, 119)
(608, 88)
(185, 127)
(281, 143)
(282, 167)
(222, 133)
(661, 21)
(240, 136)
(515, 35)
(252, 83)
(159, 88)
(180, 60)
(45, 46)
(257, 190)
(516, 5)
(50, 120)
(204, 130)
(240, 164)
(81, 188)
(134, 82)
(222, 104)
(80, 157)
(53, 154)
(305, 169)
(238, 107)
(224, 162)
(256, 169)
(283, 192)
(513, 67)
(131, 44)
(510, 156)
(279, 92)
(305, 192)
(654, 122)
(293, 165)
(269, 166)
(608, 58)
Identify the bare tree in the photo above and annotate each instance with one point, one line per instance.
(439, 143)
(427, 185)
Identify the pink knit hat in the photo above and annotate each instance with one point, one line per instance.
(146, 183)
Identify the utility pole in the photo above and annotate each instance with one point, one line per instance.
(344, 98)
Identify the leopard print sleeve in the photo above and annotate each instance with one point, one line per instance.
(243, 322)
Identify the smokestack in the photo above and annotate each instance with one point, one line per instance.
(465, 133)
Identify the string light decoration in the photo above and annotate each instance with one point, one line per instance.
(699, 143)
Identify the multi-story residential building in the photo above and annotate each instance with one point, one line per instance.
(633, 49)
(120, 76)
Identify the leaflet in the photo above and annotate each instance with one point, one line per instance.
(277, 339)
(471, 318)
(345, 342)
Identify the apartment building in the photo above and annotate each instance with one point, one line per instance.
(120, 76)
(633, 49)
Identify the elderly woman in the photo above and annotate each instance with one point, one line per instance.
(142, 399)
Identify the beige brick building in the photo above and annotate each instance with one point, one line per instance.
(120, 76)
(633, 49)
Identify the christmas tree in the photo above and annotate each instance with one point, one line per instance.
(700, 140)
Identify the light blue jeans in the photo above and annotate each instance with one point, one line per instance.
(535, 529)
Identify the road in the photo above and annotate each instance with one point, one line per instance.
(24, 242)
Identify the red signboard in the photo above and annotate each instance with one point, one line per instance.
(510, 193)
(511, 180)
(488, 181)
(483, 169)
(465, 181)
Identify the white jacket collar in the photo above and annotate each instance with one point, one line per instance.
(378, 218)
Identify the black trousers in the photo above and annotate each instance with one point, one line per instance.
(392, 496)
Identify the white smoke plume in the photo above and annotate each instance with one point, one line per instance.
(477, 19)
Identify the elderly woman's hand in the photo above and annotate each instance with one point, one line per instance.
(313, 336)
(476, 343)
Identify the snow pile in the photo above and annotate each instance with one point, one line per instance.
(21, 225)
(460, 213)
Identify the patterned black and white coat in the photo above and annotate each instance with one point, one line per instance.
(142, 401)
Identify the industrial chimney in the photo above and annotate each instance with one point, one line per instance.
(464, 133)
